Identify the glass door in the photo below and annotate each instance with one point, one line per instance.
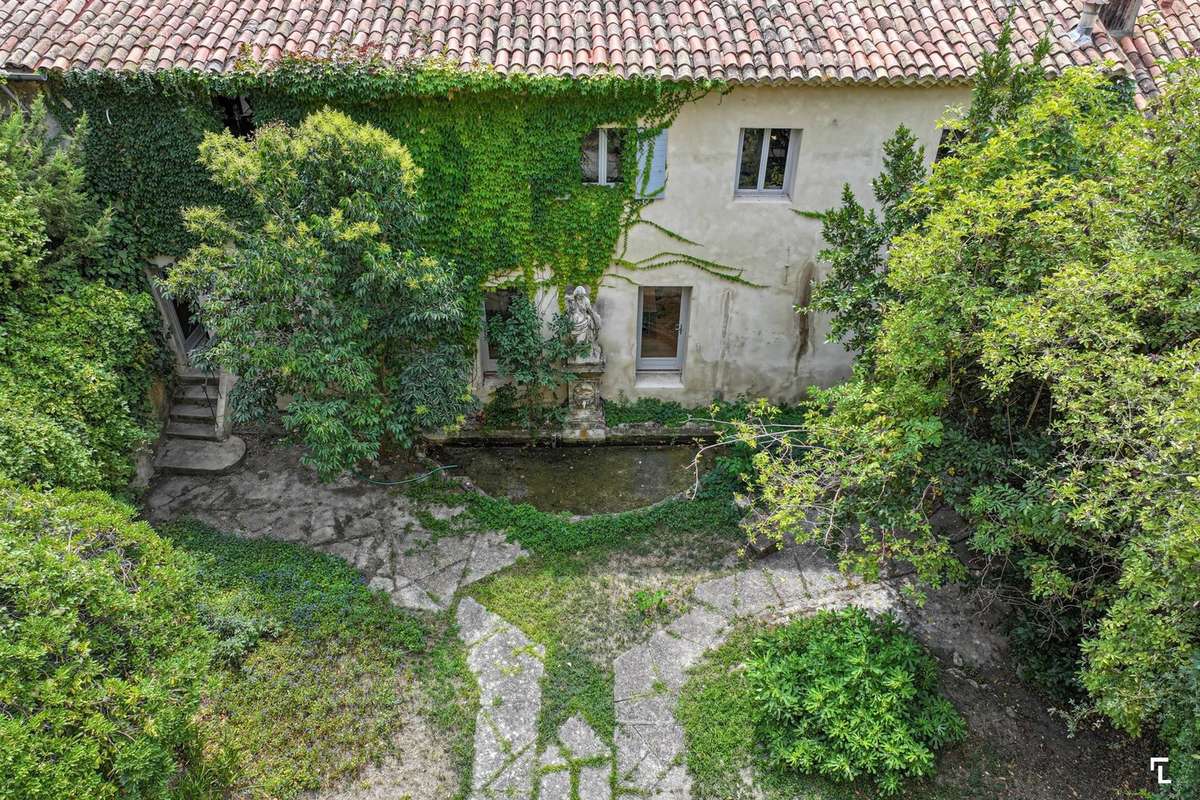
(662, 330)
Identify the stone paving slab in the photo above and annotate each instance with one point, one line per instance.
(701, 626)
(579, 740)
(509, 669)
(579, 757)
(650, 748)
(594, 783)
(556, 785)
(370, 527)
(742, 594)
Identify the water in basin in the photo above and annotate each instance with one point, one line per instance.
(580, 480)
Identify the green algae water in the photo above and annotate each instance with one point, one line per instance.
(600, 479)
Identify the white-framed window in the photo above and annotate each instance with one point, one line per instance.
(766, 161)
(662, 328)
(495, 306)
(600, 159)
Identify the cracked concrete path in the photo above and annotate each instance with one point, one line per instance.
(374, 529)
(649, 676)
(579, 757)
(648, 741)
(509, 669)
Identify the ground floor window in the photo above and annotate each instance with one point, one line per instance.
(662, 328)
(495, 306)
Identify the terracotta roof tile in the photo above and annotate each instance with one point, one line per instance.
(810, 41)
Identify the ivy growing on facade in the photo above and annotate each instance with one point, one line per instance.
(499, 156)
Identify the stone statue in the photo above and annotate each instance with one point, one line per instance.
(585, 325)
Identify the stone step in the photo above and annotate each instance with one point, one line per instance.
(196, 457)
(196, 392)
(192, 375)
(191, 430)
(192, 412)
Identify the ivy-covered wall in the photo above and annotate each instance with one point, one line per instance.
(500, 156)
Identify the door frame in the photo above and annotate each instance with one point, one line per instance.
(181, 345)
(665, 364)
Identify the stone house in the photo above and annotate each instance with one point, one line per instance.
(815, 89)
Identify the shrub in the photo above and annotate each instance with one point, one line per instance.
(1181, 731)
(842, 695)
(50, 228)
(74, 381)
(536, 363)
(75, 354)
(101, 652)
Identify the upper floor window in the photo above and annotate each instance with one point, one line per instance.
(600, 160)
(237, 115)
(766, 161)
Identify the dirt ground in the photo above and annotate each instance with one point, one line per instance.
(1017, 748)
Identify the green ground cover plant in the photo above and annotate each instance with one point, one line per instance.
(102, 651)
(314, 673)
(561, 600)
(670, 414)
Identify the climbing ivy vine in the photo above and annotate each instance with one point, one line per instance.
(499, 155)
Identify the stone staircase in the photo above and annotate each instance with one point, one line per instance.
(194, 441)
(194, 408)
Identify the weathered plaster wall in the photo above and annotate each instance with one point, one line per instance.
(23, 91)
(741, 340)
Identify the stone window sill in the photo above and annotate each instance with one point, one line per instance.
(658, 380)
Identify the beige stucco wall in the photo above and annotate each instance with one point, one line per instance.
(742, 340)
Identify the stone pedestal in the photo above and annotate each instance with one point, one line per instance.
(585, 418)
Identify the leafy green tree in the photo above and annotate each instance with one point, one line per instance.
(327, 300)
(1037, 371)
(49, 227)
(102, 656)
(76, 356)
(855, 290)
(533, 360)
(1003, 86)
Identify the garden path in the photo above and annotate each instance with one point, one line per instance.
(649, 676)
(380, 532)
(649, 741)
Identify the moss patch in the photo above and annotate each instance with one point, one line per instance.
(318, 672)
